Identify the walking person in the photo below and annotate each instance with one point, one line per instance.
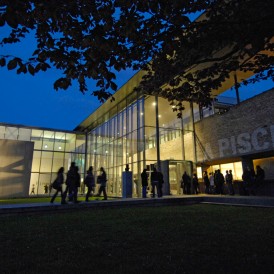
(219, 180)
(57, 184)
(211, 182)
(186, 182)
(70, 181)
(195, 183)
(160, 184)
(102, 180)
(206, 182)
(46, 189)
(247, 181)
(33, 189)
(229, 182)
(144, 177)
(259, 178)
(154, 182)
(89, 182)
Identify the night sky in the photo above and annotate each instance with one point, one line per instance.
(32, 101)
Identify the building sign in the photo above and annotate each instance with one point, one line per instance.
(260, 139)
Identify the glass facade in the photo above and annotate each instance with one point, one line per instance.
(136, 130)
(141, 132)
(52, 150)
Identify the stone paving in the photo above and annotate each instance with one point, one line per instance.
(253, 201)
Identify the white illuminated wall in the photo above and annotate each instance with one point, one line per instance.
(15, 167)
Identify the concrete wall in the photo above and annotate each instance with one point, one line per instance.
(15, 167)
(246, 129)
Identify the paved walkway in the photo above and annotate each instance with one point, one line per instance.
(253, 201)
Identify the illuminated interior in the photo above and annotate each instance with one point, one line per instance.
(52, 150)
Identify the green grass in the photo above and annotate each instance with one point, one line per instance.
(25, 200)
(39, 200)
(172, 239)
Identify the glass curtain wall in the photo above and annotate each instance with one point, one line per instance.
(129, 137)
(170, 131)
(52, 150)
(118, 142)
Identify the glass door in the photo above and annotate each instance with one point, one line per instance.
(173, 171)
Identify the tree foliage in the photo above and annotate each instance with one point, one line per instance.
(230, 37)
(91, 39)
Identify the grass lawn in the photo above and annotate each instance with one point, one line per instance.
(171, 239)
(31, 200)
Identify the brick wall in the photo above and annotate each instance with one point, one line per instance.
(247, 128)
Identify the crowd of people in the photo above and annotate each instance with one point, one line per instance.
(252, 180)
(217, 183)
(214, 183)
(156, 182)
(69, 192)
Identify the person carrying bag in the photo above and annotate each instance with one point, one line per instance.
(57, 184)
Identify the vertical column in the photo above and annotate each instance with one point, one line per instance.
(138, 114)
(143, 136)
(157, 133)
(86, 153)
(193, 132)
(182, 136)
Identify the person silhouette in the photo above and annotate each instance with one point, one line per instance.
(102, 180)
(89, 182)
(229, 182)
(206, 182)
(154, 181)
(33, 189)
(60, 181)
(186, 183)
(195, 183)
(144, 177)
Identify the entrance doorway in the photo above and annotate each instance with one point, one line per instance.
(173, 171)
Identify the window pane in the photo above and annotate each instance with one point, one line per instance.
(24, 134)
(70, 142)
(80, 143)
(58, 161)
(150, 114)
(48, 140)
(37, 138)
(46, 161)
(11, 133)
(36, 161)
(60, 139)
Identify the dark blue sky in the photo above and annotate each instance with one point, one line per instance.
(32, 101)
